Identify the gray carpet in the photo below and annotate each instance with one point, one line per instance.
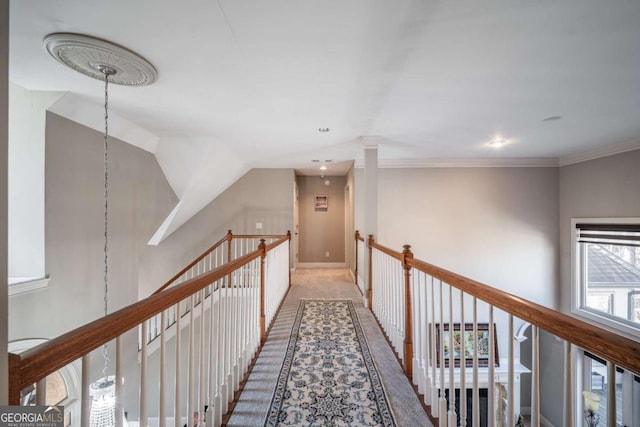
(254, 402)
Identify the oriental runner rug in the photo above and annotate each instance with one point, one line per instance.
(328, 377)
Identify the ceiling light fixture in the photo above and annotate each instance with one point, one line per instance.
(551, 118)
(323, 168)
(497, 143)
(323, 129)
(108, 63)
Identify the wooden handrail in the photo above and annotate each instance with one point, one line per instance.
(358, 236)
(618, 349)
(38, 362)
(384, 249)
(227, 238)
(258, 236)
(277, 242)
(215, 246)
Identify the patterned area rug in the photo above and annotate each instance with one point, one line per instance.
(328, 377)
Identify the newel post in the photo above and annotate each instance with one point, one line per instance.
(14, 379)
(408, 326)
(262, 247)
(289, 260)
(229, 238)
(371, 242)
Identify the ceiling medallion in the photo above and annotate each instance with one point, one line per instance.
(91, 56)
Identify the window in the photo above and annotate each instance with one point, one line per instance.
(606, 271)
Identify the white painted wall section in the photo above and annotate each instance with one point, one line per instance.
(221, 168)
(27, 124)
(91, 115)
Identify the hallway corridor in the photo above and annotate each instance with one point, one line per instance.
(255, 400)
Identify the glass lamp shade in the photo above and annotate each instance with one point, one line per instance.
(591, 401)
(103, 403)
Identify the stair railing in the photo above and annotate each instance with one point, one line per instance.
(221, 337)
(229, 247)
(443, 327)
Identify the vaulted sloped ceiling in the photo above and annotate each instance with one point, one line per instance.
(246, 84)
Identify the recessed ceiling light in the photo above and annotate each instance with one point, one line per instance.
(323, 168)
(315, 161)
(551, 118)
(497, 143)
(323, 129)
(328, 161)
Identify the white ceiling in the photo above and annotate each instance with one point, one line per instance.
(428, 79)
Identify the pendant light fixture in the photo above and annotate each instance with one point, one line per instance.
(114, 64)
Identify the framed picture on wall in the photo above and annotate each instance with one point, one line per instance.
(322, 203)
(455, 344)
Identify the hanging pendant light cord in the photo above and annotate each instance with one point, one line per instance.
(105, 349)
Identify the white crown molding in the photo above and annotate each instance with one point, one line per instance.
(544, 162)
(596, 153)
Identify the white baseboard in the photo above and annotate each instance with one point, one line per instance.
(353, 276)
(322, 265)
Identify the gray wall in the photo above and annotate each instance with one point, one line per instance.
(605, 187)
(261, 195)
(322, 231)
(4, 125)
(495, 225)
(139, 199)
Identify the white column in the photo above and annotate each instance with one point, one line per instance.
(370, 201)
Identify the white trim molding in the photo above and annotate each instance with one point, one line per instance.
(20, 285)
(512, 162)
(322, 265)
(598, 152)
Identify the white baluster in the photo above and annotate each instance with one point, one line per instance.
(212, 359)
(476, 382)
(202, 376)
(41, 392)
(453, 418)
(434, 390)
(511, 410)
(162, 412)
(118, 379)
(177, 409)
(535, 376)
(611, 394)
(143, 376)
(491, 392)
(191, 391)
(443, 401)
(463, 366)
(85, 409)
(416, 311)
